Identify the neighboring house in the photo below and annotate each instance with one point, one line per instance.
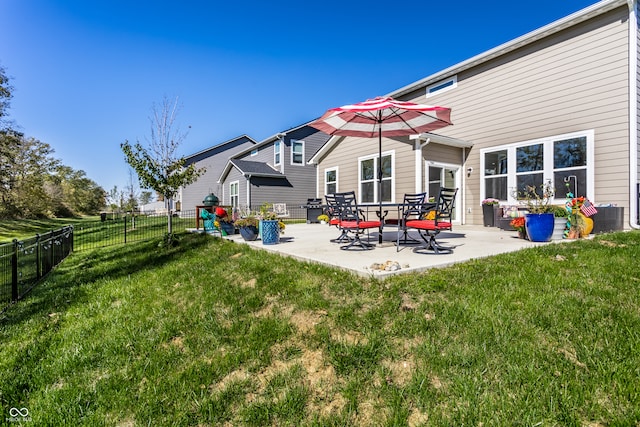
(559, 103)
(275, 170)
(213, 159)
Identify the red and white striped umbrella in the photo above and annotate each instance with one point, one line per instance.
(382, 116)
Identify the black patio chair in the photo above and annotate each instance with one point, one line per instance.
(333, 211)
(412, 205)
(415, 217)
(352, 220)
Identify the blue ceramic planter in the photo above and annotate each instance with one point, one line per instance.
(249, 232)
(539, 226)
(270, 230)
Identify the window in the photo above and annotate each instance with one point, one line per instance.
(234, 194)
(368, 167)
(277, 149)
(331, 181)
(495, 172)
(564, 160)
(254, 152)
(442, 86)
(297, 152)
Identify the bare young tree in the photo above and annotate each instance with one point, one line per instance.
(158, 166)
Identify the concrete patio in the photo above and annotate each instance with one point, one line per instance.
(311, 242)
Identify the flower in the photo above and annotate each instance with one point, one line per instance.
(323, 217)
(249, 221)
(490, 202)
(518, 223)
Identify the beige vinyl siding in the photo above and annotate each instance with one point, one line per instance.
(345, 156)
(572, 81)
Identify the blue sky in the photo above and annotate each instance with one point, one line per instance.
(86, 73)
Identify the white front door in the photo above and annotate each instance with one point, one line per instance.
(444, 175)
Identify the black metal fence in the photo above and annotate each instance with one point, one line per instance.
(128, 228)
(24, 262)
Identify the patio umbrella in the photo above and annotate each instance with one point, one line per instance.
(382, 116)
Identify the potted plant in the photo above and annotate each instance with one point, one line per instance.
(248, 227)
(488, 214)
(518, 224)
(323, 218)
(270, 227)
(539, 220)
(561, 218)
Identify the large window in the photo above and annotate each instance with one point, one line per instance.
(368, 167)
(234, 194)
(297, 152)
(331, 181)
(564, 160)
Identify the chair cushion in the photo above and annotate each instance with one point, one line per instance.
(362, 224)
(334, 221)
(428, 224)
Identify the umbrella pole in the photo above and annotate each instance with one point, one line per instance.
(380, 217)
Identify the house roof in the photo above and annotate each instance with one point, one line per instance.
(222, 146)
(529, 38)
(270, 139)
(444, 140)
(249, 168)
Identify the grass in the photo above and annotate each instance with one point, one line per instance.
(215, 333)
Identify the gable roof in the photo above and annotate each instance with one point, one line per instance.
(529, 38)
(218, 148)
(270, 139)
(249, 168)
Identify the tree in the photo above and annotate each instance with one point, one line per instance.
(157, 165)
(5, 98)
(146, 197)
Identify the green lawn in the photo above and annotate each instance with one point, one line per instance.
(214, 333)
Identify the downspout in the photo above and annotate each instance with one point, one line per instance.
(248, 191)
(633, 113)
(465, 172)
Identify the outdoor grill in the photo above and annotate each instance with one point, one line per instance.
(314, 208)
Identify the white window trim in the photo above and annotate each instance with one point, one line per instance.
(237, 195)
(458, 168)
(325, 178)
(548, 163)
(277, 143)
(297, 141)
(453, 85)
(376, 199)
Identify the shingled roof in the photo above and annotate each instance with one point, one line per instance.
(256, 168)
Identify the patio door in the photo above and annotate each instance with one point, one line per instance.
(444, 175)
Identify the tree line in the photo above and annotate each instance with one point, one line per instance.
(33, 183)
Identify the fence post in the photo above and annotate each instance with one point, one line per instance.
(53, 248)
(38, 260)
(125, 228)
(14, 271)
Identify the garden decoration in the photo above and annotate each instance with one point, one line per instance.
(579, 210)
